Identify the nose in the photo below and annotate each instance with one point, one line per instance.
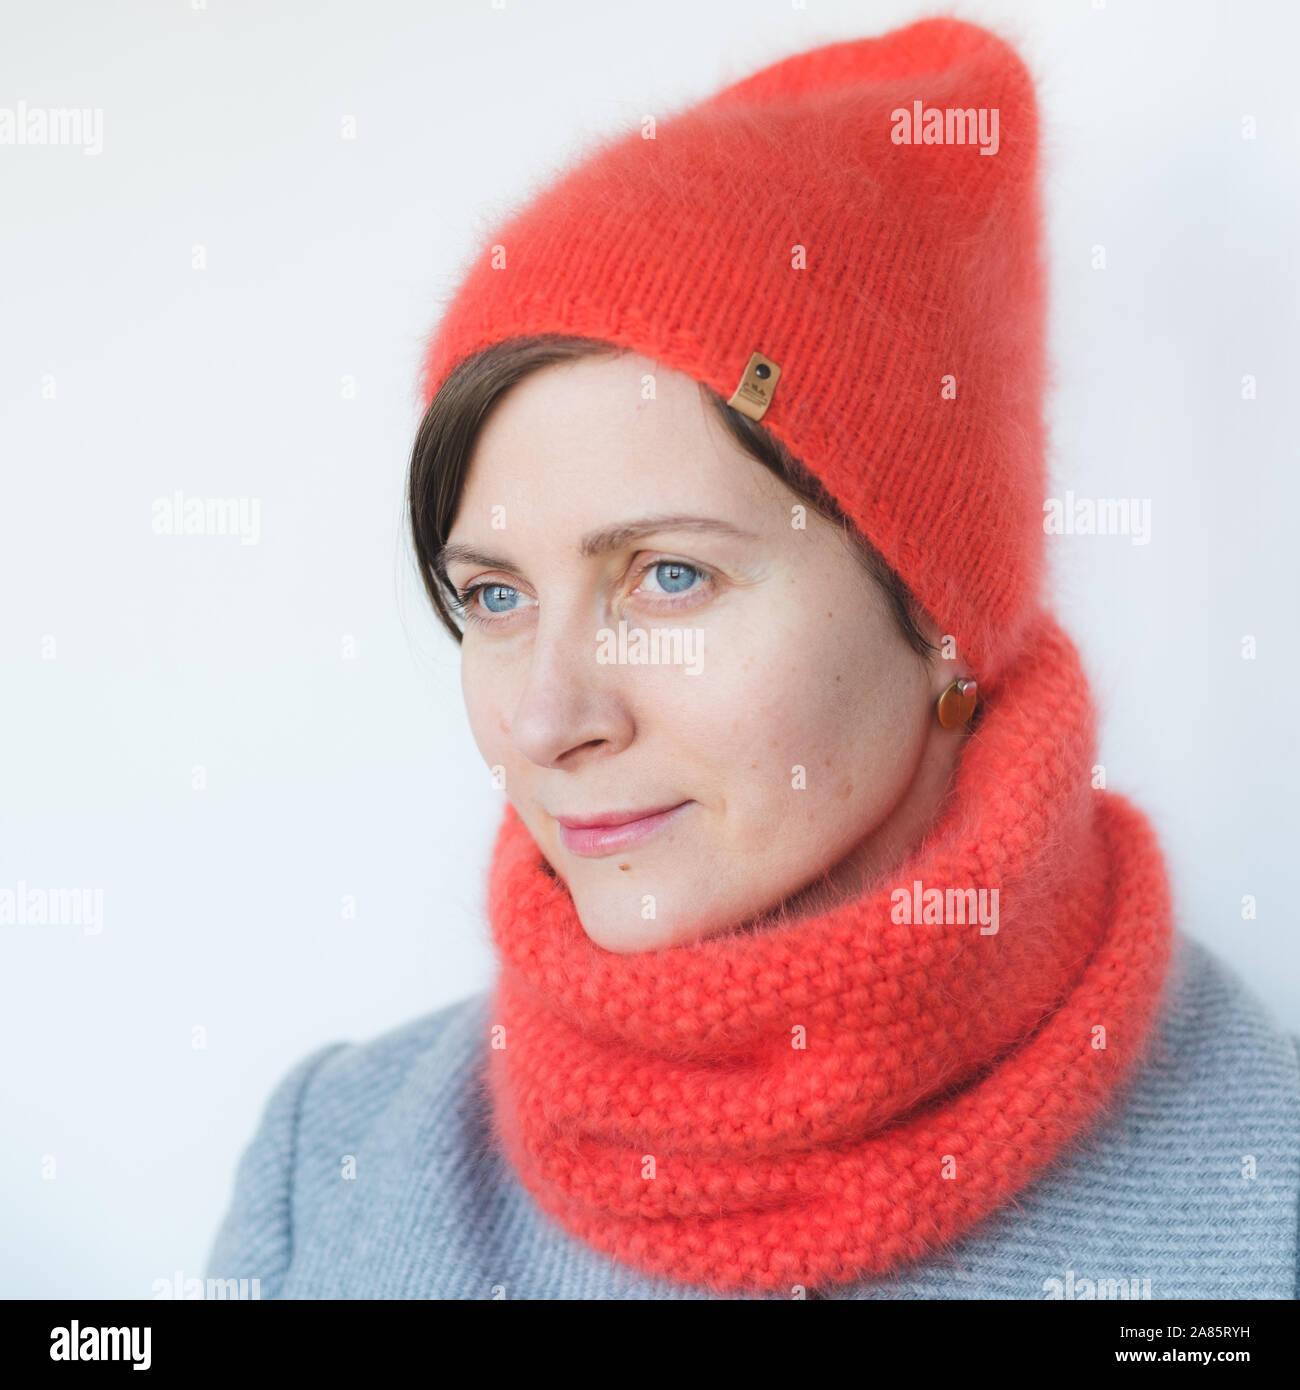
(572, 708)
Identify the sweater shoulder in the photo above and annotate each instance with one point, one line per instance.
(1217, 1117)
(327, 1105)
(1208, 994)
(355, 1082)
(1227, 1054)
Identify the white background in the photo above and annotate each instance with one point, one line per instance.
(328, 258)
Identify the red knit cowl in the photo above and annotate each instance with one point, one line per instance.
(825, 1100)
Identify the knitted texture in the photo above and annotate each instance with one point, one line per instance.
(899, 287)
(833, 1095)
(1157, 1192)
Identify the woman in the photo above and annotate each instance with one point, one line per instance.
(830, 967)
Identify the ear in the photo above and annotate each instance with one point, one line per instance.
(943, 669)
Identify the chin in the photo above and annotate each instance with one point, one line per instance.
(613, 931)
(621, 943)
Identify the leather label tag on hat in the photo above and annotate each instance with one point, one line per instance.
(757, 386)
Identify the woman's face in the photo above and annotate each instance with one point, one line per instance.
(662, 624)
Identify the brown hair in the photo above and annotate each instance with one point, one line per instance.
(444, 445)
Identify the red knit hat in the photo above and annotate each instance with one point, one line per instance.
(866, 217)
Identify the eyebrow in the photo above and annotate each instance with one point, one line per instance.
(599, 542)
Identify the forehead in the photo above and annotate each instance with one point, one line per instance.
(579, 444)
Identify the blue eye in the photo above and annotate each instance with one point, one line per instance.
(501, 599)
(494, 593)
(481, 603)
(674, 577)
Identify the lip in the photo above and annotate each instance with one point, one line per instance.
(593, 836)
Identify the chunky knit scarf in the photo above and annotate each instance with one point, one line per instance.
(827, 1099)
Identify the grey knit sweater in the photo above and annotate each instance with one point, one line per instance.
(373, 1174)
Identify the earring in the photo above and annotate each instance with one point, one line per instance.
(957, 704)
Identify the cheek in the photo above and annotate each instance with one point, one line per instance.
(849, 715)
(486, 708)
